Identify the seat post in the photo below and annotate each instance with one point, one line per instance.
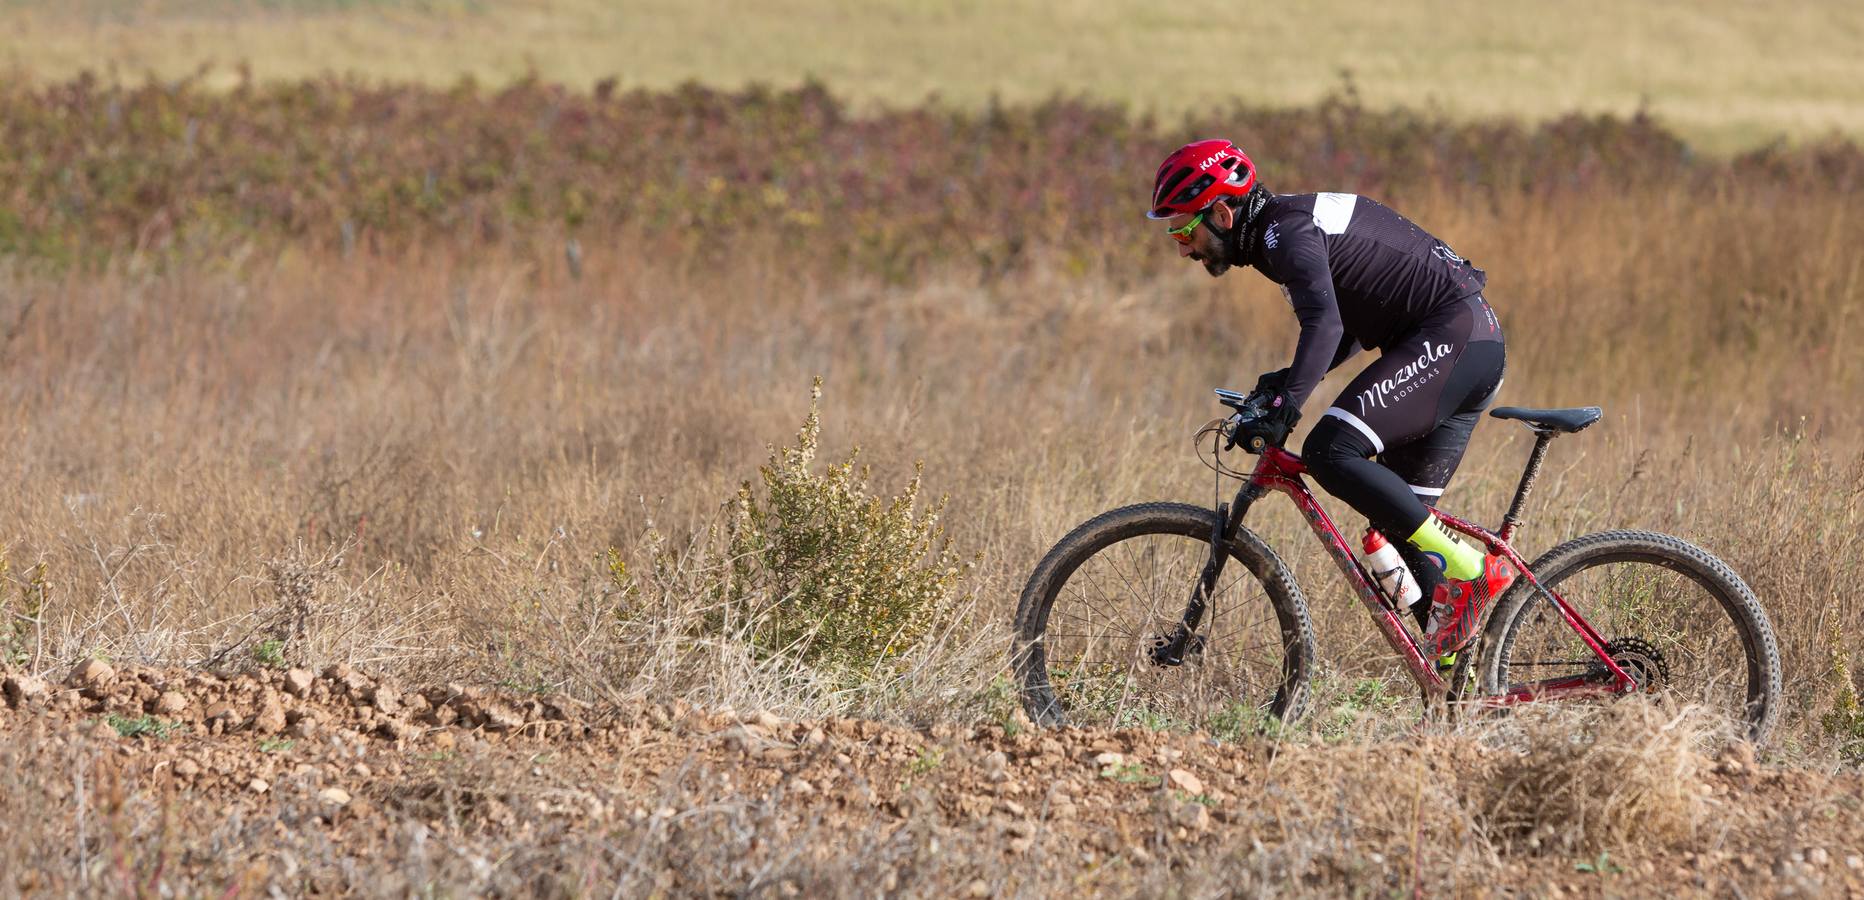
(1511, 521)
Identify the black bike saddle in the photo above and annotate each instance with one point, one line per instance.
(1562, 420)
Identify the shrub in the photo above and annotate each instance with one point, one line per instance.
(825, 568)
(270, 653)
(141, 726)
(21, 624)
(91, 168)
(1599, 780)
(1844, 721)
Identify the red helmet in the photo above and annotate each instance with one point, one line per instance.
(1196, 174)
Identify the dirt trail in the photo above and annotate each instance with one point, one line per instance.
(136, 779)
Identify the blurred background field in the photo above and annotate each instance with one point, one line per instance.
(1724, 74)
(340, 358)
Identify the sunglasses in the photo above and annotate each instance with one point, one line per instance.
(1183, 234)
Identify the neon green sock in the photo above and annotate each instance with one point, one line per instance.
(1460, 561)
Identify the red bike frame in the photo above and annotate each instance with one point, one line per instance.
(1281, 471)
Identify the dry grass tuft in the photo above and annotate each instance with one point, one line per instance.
(1628, 775)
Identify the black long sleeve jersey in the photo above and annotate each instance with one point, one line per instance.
(1358, 275)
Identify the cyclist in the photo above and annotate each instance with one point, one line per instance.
(1361, 276)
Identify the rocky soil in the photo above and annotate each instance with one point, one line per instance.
(139, 780)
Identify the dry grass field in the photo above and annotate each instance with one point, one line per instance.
(419, 491)
(470, 466)
(1725, 74)
(473, 433)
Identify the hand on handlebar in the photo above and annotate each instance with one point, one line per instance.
(1257, 431)
(1272, 382)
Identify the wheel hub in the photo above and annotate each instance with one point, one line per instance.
(1171, 649)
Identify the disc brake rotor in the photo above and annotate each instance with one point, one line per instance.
(1171, 648)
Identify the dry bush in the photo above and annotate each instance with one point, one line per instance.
(1628, 776)
(884, 627)
(823, 569)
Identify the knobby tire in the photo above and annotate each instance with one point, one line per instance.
(1744, 613)
(1097, 535)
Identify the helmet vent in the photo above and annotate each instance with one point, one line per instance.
(1172, 182)
(1197, 187)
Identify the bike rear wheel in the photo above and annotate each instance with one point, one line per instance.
(1673, 616)
(1096, 604)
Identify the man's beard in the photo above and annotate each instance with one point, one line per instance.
(1219, 262)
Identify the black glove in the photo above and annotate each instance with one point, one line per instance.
(1269, 430)
(1272, 382)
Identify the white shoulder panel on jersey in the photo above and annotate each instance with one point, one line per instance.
(1333, 211)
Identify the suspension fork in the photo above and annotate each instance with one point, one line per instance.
(1170, 649)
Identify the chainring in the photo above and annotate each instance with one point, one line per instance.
(1641, 660)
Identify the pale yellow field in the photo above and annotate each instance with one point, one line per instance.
(1726, 74)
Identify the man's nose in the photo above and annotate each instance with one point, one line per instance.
(1185, 250)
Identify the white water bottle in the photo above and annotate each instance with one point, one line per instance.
(1388, 568)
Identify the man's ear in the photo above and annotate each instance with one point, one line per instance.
(1223, 215)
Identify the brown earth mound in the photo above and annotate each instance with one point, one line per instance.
(140, 780)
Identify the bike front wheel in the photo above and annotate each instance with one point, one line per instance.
(1098, 606)
(1673, 616)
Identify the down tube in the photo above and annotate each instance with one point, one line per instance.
(1423, 671)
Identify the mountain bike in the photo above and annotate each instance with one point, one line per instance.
(1171, 614)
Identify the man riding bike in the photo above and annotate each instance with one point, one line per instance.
(1360, 276)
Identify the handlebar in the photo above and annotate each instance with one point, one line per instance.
(1248, 407)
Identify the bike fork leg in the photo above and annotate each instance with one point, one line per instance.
(1170, 649)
